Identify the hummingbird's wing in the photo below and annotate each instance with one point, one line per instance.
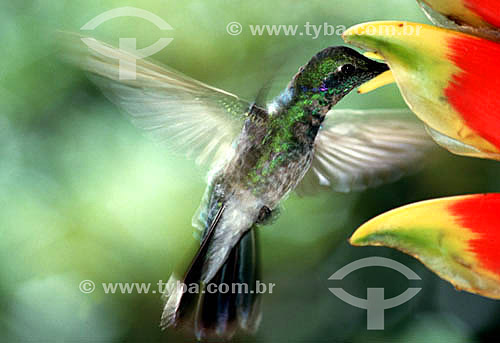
(359, 149)
(186, 114)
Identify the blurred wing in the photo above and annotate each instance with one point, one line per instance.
(188, 115)
(358, 149)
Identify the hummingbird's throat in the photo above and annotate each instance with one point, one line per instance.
(320, 100)
(309, 111)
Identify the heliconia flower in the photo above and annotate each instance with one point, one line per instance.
(449, 79)
(457, 237)
(475, 13)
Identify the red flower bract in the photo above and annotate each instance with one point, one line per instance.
(475, 92)
(488, 10)
(481, 214)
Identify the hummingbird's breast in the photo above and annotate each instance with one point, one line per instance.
(273, 153)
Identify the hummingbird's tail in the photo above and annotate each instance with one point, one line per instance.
(228, 302)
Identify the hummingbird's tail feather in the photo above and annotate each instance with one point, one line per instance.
(226, 303)
(235, 303)
(178, 302)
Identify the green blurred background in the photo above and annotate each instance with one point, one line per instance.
(83, 195)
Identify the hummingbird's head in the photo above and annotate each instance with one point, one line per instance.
(335, 71)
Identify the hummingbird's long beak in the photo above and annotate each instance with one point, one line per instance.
(384, 77)
(381, 80)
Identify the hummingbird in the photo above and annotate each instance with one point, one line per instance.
(258, 154)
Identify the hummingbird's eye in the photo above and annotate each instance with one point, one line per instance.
(347, 69)
(264, 214)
